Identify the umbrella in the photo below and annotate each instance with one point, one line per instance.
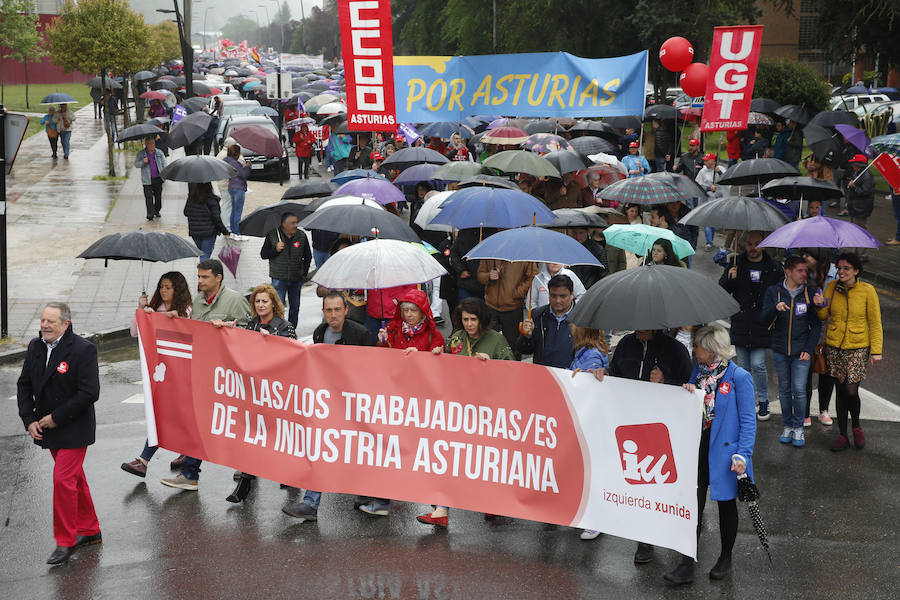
(830, 118)
(334, 120)
(857, 89)
(822, 142)
(351, 174)
(640, 238)
(381, 191)
(203, 89)
(541, 126)
(313, 104)
(109, 83)
(198, 168)
(163, 84)
(736, 212)
(430, 208)
(533, 244)
(456, 170)
(487, 181)
(682, 183)
(446, 129)
(643, 190)
(505, 136)
(756, 171)
(522, 161)
(358, 219)
(155, 95)
(608, 174)
(319, 204)
(195, 104)
(853, 135)
(159, 121)
(764, 105)
(567, 161)
(493, 207)
(378, 264)
(591, 144)
(802, 188)
(820, 232)
(794, 112)
(660, 111)
(889, 144)
(144, 75)
(268, 111)
(296, 123)
(266, 218)
(58, 98)
(574, 217)
(758, 118)
(189, 129)
(748, 492)
(653, 297)
(506, 122)
(314, 188)
(597, 128)
(416, 173)
(137, 132)
(258, 139)
(545, 142)
(623, 122)
(331, 108)
(407, 157)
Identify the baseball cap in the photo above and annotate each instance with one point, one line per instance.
(377, 156)
(710, 156)
(633, 145)
(693, 142)
(859, 158)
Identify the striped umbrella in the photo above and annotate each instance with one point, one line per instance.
(505, 136)
(889, 144)
(757, 118)
(642, 190)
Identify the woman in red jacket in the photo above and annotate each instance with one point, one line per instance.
(412, 326)
(303, 143)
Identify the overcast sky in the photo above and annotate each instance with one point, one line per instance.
(222, 11)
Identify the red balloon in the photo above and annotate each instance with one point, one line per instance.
(676, 53)
(693, 79)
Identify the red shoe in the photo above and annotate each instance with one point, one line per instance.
(859, 438)
(429, 520)
(489, 516)
(841, 443)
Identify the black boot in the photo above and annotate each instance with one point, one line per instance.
(722, 568)
(241, 489)
(683, 573)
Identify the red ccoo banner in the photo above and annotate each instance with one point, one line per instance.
(732, 73)
(368, 52)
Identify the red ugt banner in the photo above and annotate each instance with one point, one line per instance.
(889, 166)
(368, 52)
(732, 73)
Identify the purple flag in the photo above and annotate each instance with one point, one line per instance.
(409, 132)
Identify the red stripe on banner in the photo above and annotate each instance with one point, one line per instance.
(732, 74)
(368, 53)
(174, 336)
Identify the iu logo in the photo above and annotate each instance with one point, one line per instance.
(646, 452)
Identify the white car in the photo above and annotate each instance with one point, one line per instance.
(851, 102)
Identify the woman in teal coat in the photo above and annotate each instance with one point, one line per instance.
(726, 441)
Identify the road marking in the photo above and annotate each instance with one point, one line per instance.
(873, 407)
(138, 382)
(134, 399)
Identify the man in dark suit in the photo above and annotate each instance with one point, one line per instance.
(59, 384)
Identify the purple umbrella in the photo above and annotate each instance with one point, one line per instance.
(416, 173)
(381, 191)
(855, 136)
(820, 232)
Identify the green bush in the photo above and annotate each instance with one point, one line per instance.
(789, 82)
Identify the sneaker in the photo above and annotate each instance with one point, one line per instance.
(301, 510)
(807, 422)
(135, 467)
(763, 414)
(825, 420)
(799, 438)
(708, 248)
(841, 443)
(643, 554)
(787, 435)
(589, 534)
(181, 482)
(376, 507)
(859, 438)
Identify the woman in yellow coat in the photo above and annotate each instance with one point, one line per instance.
(853, 338)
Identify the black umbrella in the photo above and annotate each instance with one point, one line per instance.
(195, 104)
(736, 212)
(487, 180)
(163, 84)
(823, 143)
(653, 297)
(309, 189)
(542, 126)
(830, 118)
(683, 184)
(137, 132)
(624, 122)
(159, 121)
(335, 119)
(360, 220)
(198, 168)
(573, 217)
(266, 218)
(756, 171)
(660, 111)
(802, 188)
(764, 105)
(567, 161)
(144, 75)
(190, 128)
(202, 88)
(109, 82)
(591, 144)
(407, 157)
(749, 493)
(595, 128)
(794, 112)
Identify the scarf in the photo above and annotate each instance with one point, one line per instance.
(409, 331)
(708, 380)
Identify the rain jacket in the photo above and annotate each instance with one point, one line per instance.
(796, 330)
(491, 343)
(303, 142)
(426, 338)
(861, 196)
(707, 177)
(551, 341)
(508, 292)
(636, 162)
(204, 218)
(589, 357)
(854, 317)
(634, 359)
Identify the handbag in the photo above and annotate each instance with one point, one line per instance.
(52, 133)
(818, 365)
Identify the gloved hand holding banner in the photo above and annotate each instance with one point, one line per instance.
(508, 438)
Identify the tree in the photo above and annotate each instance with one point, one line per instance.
(100, 36)
(789, 82)
(20, 36)
(319, 33)
(846, 28)
(167, 42)
(239, 28)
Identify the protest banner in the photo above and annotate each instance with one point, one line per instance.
(499, 437)
(889, 166)
(732, 74)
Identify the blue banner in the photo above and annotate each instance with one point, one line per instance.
(545, 84)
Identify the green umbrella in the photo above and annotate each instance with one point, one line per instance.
(639, 239)
(457, 170)
(522, 161)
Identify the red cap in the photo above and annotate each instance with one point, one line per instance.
(693, 142)
(377, 156)
(859, 158)
(634, 145)
(710, 156)
(399, 138)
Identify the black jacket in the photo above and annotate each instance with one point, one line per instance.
(66, 388)
(277, 326)
(550, 342)
(748, 327)
(634, 360)
(467, 239)
(861, 196)
(292, 263)
(204, 218)
(352, 334)
(588, 274)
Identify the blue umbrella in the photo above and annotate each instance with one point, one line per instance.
(351, 174)
(493, 207)
(533, 244)
(58, 98)
(445, 129)
(252, 84)
(264, 111)
(416, 173)
(857, 89)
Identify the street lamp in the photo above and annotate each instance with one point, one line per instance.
(269, 19)
(205, 14)
(187, 51)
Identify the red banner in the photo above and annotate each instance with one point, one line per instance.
(889, 166)
(368, 52)
(732, 73)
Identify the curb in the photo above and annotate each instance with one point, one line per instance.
(109, 339)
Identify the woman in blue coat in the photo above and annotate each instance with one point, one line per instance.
(726, 440)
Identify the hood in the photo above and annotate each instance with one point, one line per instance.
(420, 299)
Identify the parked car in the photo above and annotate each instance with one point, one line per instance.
(260, 166)
(850, 102)
(229, 109)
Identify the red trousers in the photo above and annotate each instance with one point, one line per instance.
(73, 508)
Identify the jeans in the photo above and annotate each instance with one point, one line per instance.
(153, 196)
(64, 138)
(895, 203)
(289, 292)
(191, 469)
(312, 498)
(320, 256)
(206, 246)
(148, 451)
(792, 374)
(659, 164)
(303, 166)
(755, 358)
(237, 207)
(710, 233)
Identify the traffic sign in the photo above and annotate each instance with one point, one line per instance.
(16, 125)
(272, 86)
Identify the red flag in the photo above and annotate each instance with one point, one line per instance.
(889, 166)
(732, 73)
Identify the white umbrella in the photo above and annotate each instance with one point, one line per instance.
(430, 209)
(378, 264)
(348, 200)
(332, 108)
(608, 159)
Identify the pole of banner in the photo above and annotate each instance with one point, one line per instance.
(4, 304)
(858, 175)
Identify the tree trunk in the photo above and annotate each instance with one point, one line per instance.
(25, 63)
(127, 117)
(107, 124)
